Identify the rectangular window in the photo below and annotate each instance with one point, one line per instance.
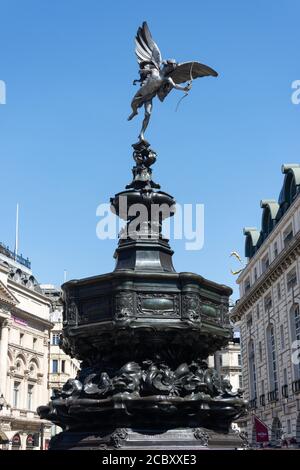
(260, 351)
(268, 302)
(29, 396)
(291, 279)
(285, 378)
(262, 387)
(282, 337)
(288, 235)
(289, 427)
(273, 357)
(34, 342)
(255, 274)
(63, 366)
(275, 250)
(257, 311)
(240, 381)
(252, 369)
(247, 285)
(265, 263)
(21, 339)
(249, 320)
(239, 360)
(55, 339)
(55, 366)
(278, 291)
(16, 391)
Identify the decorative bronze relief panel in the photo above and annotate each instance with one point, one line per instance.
(158, 305)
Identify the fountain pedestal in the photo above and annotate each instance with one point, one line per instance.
(143, 333)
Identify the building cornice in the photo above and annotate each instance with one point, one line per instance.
(280, 264)
(28, 292)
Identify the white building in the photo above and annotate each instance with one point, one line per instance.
(227, 362)
(24, 354)
(268, 314)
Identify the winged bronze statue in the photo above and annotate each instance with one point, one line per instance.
(158, 77)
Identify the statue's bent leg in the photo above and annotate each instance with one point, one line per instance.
(136, 103)
(148, 110)
(134, 113)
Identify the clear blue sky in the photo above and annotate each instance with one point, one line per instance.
(65, 142)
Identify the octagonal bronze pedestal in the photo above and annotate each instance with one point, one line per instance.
(143, 333)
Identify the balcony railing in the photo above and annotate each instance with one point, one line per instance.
(11, 254)
(285, 391)
(252, 404)
(273, 396)
(296, 386)
(262, 400)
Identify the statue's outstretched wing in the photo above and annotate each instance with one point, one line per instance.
(190, 70)
(146, 49)
(185, 72)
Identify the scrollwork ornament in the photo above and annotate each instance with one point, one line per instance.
(72, 313)
(123, 305)
(192, 307)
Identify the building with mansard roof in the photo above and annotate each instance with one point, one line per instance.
(268, 315)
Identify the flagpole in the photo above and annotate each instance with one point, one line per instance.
(17, 232)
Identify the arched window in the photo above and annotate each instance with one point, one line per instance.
(272, 358)
(33, 367)
(17, 275)
(29, 442)
(16, 442)
(252, 370)
(276, 431)
(20, 364)
(295, 331)
(32, 370)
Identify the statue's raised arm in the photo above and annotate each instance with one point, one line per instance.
(159, 77)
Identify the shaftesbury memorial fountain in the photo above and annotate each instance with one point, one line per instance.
(143, 332)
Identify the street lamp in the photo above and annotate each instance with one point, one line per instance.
(2, 401)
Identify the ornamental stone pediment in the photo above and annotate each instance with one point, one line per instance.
(6, 296)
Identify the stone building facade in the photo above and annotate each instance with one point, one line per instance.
(268, 315)
(24, 354)
(227, 362)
